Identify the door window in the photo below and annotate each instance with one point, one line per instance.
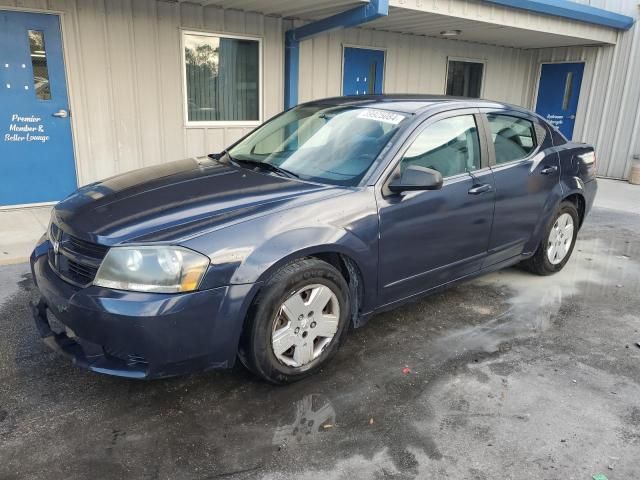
(39, 64)
(451, 146)
(513, 137)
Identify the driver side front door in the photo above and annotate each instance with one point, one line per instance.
(430, 238)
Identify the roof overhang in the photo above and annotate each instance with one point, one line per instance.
(510, 23)
(302, 9)
(488, 23)
(571, 10)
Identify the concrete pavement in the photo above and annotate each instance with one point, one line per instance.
(511, 376)
(19, 231)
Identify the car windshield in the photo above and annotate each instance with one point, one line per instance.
(334, 144)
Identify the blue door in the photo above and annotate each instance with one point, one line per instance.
(558, 94)
(36, 149)
(363, 71)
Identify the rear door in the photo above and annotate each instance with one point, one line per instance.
(525, 174)
(429, 238)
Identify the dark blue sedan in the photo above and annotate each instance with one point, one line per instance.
(323, 216)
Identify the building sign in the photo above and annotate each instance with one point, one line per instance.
(555, 120)
(25, 129)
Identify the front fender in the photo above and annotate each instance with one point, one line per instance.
(288, 246)
(251, 251)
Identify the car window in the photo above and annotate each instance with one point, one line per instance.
(451, 146)
(513, 137)
(334, 144)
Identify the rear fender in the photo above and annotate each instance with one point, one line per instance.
(553, 200)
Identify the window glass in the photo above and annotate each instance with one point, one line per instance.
(222, 78)
(450, 146)
(513, 137)
(39, 65)
(333, 144)
(568, 86)
(464, 79)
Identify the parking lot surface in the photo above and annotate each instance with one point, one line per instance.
(509, 376)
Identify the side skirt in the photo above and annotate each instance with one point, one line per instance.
(365, 317)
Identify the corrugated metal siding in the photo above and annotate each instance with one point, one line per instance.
(609, 109)
(414, 64)
(125, 79)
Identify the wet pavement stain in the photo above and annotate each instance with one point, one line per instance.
(510, 376)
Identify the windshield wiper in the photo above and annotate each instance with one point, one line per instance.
(264, 165)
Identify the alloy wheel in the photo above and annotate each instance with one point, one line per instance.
(560, 239)
(305, 325)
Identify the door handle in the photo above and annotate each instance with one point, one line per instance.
(62, 113)
(477, 190)
(549, 170)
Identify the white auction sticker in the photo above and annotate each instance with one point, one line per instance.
(381, 115)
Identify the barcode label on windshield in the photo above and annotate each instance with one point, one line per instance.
(381, 116)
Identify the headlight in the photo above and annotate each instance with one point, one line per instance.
(152, 269)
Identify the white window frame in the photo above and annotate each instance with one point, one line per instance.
(467, 60)
(221, 123)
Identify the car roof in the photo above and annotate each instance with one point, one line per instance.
(414, 103)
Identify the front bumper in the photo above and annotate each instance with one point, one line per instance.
(138, 335)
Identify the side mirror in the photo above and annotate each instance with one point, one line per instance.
(416, 178)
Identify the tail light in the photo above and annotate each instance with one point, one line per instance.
(588, 159)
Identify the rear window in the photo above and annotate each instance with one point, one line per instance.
(514, 138)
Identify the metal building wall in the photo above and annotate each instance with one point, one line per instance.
(125, 78)
(124, 69)
(414, 64)
(609, 109)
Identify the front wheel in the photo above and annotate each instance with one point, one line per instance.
(555, 249)
(297, 321)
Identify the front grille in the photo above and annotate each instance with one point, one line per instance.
(75, 260)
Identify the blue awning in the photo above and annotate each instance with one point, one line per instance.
(571, 10)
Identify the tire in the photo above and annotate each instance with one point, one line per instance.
(546, 260)
(275, 320)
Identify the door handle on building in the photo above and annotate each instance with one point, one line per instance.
(62, 113)
(480, 189)
(549, 170)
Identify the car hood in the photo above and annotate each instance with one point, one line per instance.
(178, 200)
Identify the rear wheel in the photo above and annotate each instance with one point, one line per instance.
(555, 249)
(297, 322)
